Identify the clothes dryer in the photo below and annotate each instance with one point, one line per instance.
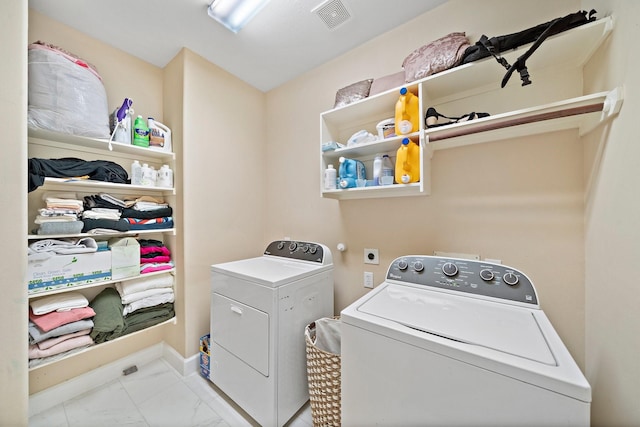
(445, 341)
(259, 309)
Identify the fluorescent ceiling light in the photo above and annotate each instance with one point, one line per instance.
(235, 14)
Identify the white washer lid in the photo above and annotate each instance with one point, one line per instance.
(267, 270)
(508, 329)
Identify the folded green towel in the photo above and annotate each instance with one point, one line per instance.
(108, 323)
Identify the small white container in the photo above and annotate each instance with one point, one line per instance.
(330, 178)
(386, 128)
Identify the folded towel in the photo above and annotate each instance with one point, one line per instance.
(148, 302)
(136, 296)
(66, 345)
(57, 340)
(144, 283)
(36, 335)
(49, 321)
(148, 317)
(65, 247)
(58, 302)
(109, 321)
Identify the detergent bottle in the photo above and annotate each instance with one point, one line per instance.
(350, 171)
(408, 162)
(407, 117)
(140, 132)
(159, 135)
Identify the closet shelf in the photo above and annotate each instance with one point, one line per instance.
(132, 335)
(371, 148)
(75, 142)
(395, 190)
(584, 113)
(61, 290)
(67, 184)
(107, 236)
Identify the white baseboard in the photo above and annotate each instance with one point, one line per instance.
(55, 395)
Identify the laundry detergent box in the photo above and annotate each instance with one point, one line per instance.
(64, 271)
(205, 356)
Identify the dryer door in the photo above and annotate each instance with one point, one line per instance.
(241, 330)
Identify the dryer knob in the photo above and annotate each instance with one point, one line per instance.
(449, 269)
(280, 245)
(418, 266)
(510, 279)
(402, 265)
(293, 246)
(305, 248)
(313, 249)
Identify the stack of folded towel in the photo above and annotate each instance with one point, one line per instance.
(43, 249)
(60, 215)
(135, 213)
(145, 292)
(58, 326)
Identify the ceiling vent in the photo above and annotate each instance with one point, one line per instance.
(333, 13)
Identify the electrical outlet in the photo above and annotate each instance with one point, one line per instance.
(368, 279)
(371, 256)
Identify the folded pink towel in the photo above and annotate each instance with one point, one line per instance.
(43, 345)
(52, 320)
(66, 345)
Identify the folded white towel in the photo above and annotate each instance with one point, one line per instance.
(58, 302)
(144, 283)
(136, 296)
(148, 302)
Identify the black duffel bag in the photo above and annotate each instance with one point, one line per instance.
(495, 45)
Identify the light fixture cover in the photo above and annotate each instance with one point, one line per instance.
(235, 14)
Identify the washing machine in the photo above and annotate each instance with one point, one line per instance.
(259, 309)
(446, 341)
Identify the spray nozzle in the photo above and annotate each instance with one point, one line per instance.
(122, 111)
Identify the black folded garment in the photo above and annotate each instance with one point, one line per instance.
(156, 213)
(119, 225)
(69, 167)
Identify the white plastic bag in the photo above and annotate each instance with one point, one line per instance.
(65, 94)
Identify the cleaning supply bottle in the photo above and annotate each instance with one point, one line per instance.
(408, 162)
(387, 171)
(147, 179)
(140, 132)
(377, 170)
(159, 135)
(136, 173)
(165, 177)
(330, 178)
(407, 116)
(350, 171)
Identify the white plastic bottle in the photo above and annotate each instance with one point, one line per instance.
(377, 170)
(330, 178)
(154, 176)
(165, 177)
(136, 173)
(387, 171)
(146, 176)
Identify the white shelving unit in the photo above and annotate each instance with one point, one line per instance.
(47, 144)
(567, 50)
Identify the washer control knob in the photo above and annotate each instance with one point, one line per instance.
(280, 246)
(510, 279)
(486, 275)
(449, 269)
(418, 266)
(313, 249)
(402, 265)
(305, 248)
(293, 246)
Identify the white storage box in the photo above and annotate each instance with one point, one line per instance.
(65, 271)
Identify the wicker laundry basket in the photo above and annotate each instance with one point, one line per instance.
(323, 372)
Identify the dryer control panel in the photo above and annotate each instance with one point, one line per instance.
(303, 251)
(463, 275)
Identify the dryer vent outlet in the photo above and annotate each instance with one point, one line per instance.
(371, 256)
(333, 13)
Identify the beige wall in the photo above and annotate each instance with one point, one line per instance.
(612, 238)
(520, 201)
(13, 173)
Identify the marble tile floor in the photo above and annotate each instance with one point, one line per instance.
(154, 396)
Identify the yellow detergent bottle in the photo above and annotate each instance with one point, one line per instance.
(407, 117)
(408, 162)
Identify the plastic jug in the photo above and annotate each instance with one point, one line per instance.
(350, 171)
(330, 178)
(387, 171)
(159, 135)
(377, 170)
(165, 177)
(408, 162)
(407, 117)
(136, 173)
